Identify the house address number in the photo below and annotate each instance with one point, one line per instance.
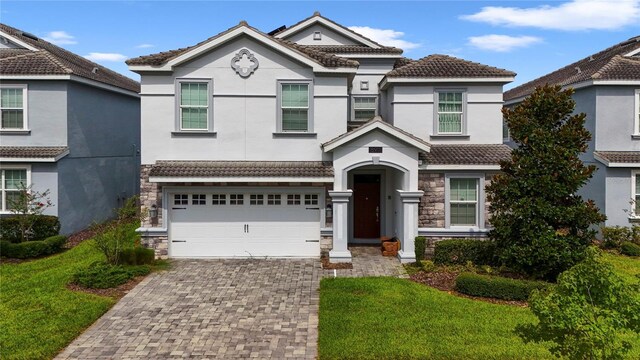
(375, 149)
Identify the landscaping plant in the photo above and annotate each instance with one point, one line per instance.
(28, 205)
(592, 313)
(630, 249)
(541, 227)
(420, 248)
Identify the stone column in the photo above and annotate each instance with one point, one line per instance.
(340, 252)
(410, 203)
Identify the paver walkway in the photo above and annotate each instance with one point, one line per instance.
(222, 309)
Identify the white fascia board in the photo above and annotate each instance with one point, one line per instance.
(633, 52)
(458, 167)
(18, 41)
(373, 126)
(181, 179)
(71, 78)
(318, 19)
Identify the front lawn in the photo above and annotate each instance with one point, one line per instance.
(40, 316)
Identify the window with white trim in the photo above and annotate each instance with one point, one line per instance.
(450, 111)
(637, 113)
(13, 180)
(364, 108)
(635, 193)
(463, 201)
(13, 101)
(295, 106)
(194, 105)
(218, 199)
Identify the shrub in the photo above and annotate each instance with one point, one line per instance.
(100, 275)
(630, 249)
(136, 256)
(113, 239)
(496, 287)
(129, 209)
(43, 227)
(460, 251)
(420, 248)
(32, 249)
(590, 314)
(614, 236)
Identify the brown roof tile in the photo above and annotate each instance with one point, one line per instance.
(301, 169)
(619, 156)
(444, 66)
(54, 60)
(32, 152)
(608, 64)
(465, 154)
(355, 49)
(375, 120)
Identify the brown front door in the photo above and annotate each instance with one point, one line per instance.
(366, 206)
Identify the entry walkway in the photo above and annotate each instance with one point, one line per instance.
(367, 260)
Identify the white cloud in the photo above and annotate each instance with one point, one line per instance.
(60, 38)
(96, 56)
(502, 43)
(385, 37)
(145, 46)
(572, 15)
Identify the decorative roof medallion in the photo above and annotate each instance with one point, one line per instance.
(244, 63)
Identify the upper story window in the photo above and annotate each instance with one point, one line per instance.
(637, 112)
(13, 180)
(295, 101)
(193, 102)
(364, 108)
(13, 101)
(450, 111)
(506, 135)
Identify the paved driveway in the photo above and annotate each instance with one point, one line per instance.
(212, 309)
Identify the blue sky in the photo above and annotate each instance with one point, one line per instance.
(531, 38)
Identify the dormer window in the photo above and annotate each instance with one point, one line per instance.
(317, 35)
(13, 106)
(364, 108)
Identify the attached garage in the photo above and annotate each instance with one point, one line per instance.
(245, 222)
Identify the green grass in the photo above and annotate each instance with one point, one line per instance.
(625, 266)
(39, 315)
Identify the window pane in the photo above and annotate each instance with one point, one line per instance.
(463, 189)
(194, 118)
(12, 198)
(295, 95)
(463, 214)
(11, 98)
(364, 114)
(364, 103)
(193, 94)
(450, 102)
(294, 119)
(13, 179)
(449, 123)
(12, 119)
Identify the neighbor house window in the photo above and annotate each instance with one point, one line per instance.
(194, 106)
(13, 180)
(635, 196)
(450, 112)
(295, 107)
(364, 108)
(13, 107)
(463, 201)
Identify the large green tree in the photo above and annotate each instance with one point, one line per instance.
(540, 225)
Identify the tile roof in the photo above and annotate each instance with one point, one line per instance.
(356, 49)
(323, 58)
(53, 60)
(375, 119)
(32, 152)
(301, 169)
(619, 156)
(608, 64)
(444, 66)
(402, 62)
(466, 154)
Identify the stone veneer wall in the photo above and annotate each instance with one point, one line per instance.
(150, 193)
(431, 209)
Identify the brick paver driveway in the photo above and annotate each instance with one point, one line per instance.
(212, 309)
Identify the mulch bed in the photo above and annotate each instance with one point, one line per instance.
(446, 281)
(82, 235)
(326, 264)
(116, 293)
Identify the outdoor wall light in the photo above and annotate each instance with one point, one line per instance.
(328, 212)
(153, 212)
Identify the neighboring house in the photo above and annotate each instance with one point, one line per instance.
(312, 138)
(607, 90)
(68, 125)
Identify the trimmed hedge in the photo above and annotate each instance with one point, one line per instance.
(136, 256)
(497, 287)
(45, 226)
(420, 247)
(630, 249)
(100, 275)
(32, 249)
(461, 251)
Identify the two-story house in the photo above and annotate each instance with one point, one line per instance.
(311, 138)
(69, 126)
(607, 90)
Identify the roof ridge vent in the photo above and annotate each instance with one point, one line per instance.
(243, 23)
(578, 69)
(95, 70)
(30, 36)
(316, 13)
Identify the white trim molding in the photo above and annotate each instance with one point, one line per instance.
(632, 210)
(3, 167)
(636, 113)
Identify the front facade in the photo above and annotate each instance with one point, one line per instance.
(312, 138)
(607, 90)
(68, 126)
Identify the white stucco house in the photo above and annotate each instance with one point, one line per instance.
(311, 138)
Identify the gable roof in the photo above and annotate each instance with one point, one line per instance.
(612, 63)
(324, 59)
(317, 18)
(444, 66)
(376, 124)
(43, 58)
